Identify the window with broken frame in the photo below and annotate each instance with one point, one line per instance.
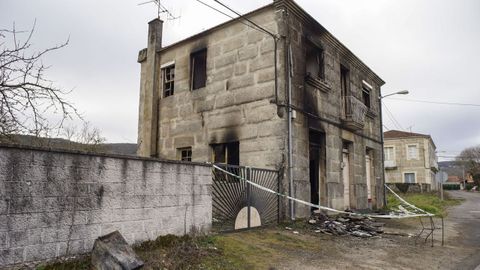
(168, 80)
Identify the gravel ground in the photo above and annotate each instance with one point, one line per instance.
(461, 250)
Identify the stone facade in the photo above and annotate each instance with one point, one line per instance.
(244, 102)
(399, 162)
(55, 204)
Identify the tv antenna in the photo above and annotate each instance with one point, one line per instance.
(161, 9)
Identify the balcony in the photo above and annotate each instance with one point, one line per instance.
(390, 164)
(354, 113)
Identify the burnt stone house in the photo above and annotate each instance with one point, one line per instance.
(295, 100)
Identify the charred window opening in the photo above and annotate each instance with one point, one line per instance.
(315, 62)
(198, 66)
(185, 154)
(344, 82)
(168, 81)
(228, 153)
(366, 97)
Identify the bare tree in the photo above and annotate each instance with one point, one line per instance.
(88, 138)
(27, 98)
(470, 159)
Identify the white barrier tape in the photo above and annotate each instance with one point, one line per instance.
(407, 203)
(319, 206)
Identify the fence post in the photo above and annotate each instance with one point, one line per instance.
(441, 191)
(249, 202)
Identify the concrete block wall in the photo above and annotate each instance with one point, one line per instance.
(55, 204)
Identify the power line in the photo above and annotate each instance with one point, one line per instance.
(254, 26)
(392, 118)
(214, 8)
(437, 102)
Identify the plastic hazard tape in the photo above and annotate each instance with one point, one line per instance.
(424, 213)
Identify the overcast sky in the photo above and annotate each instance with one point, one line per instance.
(429, 47)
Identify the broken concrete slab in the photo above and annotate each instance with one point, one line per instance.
(112, 252)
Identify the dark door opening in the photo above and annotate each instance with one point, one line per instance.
(314, 176)
(316, 152)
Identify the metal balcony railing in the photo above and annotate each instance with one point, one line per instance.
(355, 112)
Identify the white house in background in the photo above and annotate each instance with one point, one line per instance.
(410, 158)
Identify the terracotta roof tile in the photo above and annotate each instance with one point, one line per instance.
(402, 134)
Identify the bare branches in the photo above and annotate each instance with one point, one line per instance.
(470, 158)
(27, 98)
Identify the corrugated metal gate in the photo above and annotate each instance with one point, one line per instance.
(238, 205)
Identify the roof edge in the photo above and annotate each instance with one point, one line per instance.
(214, 28)
(308, 19)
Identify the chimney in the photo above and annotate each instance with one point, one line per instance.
(149, 83)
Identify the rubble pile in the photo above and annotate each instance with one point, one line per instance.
(358, 226)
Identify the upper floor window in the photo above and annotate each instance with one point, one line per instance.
(185, 154)
(366, 97)
(198, 69)
(168, 80)
(344, 80)
(228, 153)
(412, 151)
(389, 153)
(315, 62)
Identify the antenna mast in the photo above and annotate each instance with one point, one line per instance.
(161, 9)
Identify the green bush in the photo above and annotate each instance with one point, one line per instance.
(469, 187)
(451, 187)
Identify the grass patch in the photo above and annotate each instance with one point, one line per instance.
(255, 249)
(426, 201)
(82, 263)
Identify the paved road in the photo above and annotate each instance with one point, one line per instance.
(467, 219)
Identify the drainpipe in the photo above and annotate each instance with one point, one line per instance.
(383, 150)
(290, 152)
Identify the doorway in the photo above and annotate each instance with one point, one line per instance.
(346, 175)
(370, 176)
(317, 167)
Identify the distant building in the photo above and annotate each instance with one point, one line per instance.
(410, 158)
(456, 170)
(455, 180)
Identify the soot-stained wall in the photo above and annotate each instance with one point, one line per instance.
(55, 204)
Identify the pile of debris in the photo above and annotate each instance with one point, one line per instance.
(354, 225)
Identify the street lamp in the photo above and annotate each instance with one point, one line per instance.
(402, 92)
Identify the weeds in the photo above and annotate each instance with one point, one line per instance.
(426, 201)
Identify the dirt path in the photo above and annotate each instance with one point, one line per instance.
(465, 219)
(461, 250)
